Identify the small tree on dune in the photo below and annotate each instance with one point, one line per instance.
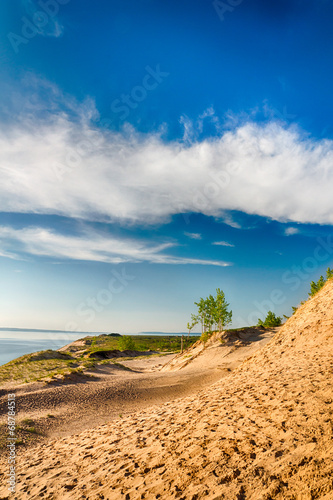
(212, 313)
(223, 316)
(315, 286)
(194, 321)
(271, 320)
(202, 313)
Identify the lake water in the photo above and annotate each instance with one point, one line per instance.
(16, 343)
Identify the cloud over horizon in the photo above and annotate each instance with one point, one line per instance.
(90, 245)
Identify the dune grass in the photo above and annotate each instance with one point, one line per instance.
(160, 343)
(48, 365)
(26, 432)
(42, 365)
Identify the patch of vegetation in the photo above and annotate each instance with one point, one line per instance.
(49, 354)
(33, 367)
(29, 429)
(24, 435)
(126, 343)
(28, 422)
(206, 336)
(159, 343)
(315, 286)
(32, 430)
(43, 365)
(270, 321)
(212, 312)
(241, 329)
(47, 365)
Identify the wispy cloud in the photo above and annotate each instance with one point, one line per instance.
(193, 236)
(289, 231)
(223, 244)
(59, 162)
(89, 246)
(194, 128)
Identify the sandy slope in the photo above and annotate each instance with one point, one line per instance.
(264, 431)
(84, 402)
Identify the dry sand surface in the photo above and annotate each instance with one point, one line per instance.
(263, 431)
(109, 391)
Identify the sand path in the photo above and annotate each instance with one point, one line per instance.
(112, 392)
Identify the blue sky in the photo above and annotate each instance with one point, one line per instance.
(152, 151)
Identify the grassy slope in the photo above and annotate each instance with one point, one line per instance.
(46, 365)
(144, 343)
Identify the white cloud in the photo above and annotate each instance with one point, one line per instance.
(193, 236)
(89, 246)
(57, 164)
(193, 128)
(291, 230)
(223, 244)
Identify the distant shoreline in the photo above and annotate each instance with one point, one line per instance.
(15, 344)
(46, 330)
(43, 330)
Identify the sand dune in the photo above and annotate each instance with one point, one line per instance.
(78, 402)
(262, 432)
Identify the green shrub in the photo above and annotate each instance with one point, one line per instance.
(206, 336)
(126, 343)
(270, 320)
(28, 422)
(315, 286)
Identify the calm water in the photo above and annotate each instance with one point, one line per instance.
(15, 343)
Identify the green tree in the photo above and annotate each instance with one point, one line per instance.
(315, 286)
(270, 320)
(213, 312)
(202, 312)
(126, 343)
(222, 316)
(194, 321)
(329, 273)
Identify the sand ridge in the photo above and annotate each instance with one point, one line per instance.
(264, 431)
